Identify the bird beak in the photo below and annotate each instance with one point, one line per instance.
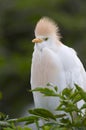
(37, 40)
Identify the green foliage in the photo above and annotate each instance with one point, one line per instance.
(42, 113)
(46, 91)
(17, 128)
(71, 117)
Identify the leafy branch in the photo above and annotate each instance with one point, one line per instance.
(71, 118)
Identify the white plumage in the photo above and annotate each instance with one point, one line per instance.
(53, 62)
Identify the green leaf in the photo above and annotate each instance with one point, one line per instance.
(56, 88)
(28, 119)
(43, 113)
(49, 84)
(60, 115)
(67, 92)
(23, 128)
(67, 107)
(74, 94)
(18, 128)
(77, 98)
(46, 91)
(46, 127)
(8, 128)
(81, 92)
(32, 119)
(66, 121)
(57, 128)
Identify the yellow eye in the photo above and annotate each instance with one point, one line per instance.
(46, 38)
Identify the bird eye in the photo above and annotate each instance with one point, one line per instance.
(46, 38)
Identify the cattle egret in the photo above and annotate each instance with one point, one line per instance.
(53, 62)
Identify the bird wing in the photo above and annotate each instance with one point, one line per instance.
(73, 68)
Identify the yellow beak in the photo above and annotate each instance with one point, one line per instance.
(37, 40)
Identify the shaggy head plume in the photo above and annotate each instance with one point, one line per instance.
(46, 26)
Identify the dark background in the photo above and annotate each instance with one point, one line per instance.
(17, 22)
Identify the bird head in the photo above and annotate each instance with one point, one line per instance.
(46, 33)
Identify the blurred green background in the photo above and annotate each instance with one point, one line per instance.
(17, 22)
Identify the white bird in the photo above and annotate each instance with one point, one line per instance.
(53, 62)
